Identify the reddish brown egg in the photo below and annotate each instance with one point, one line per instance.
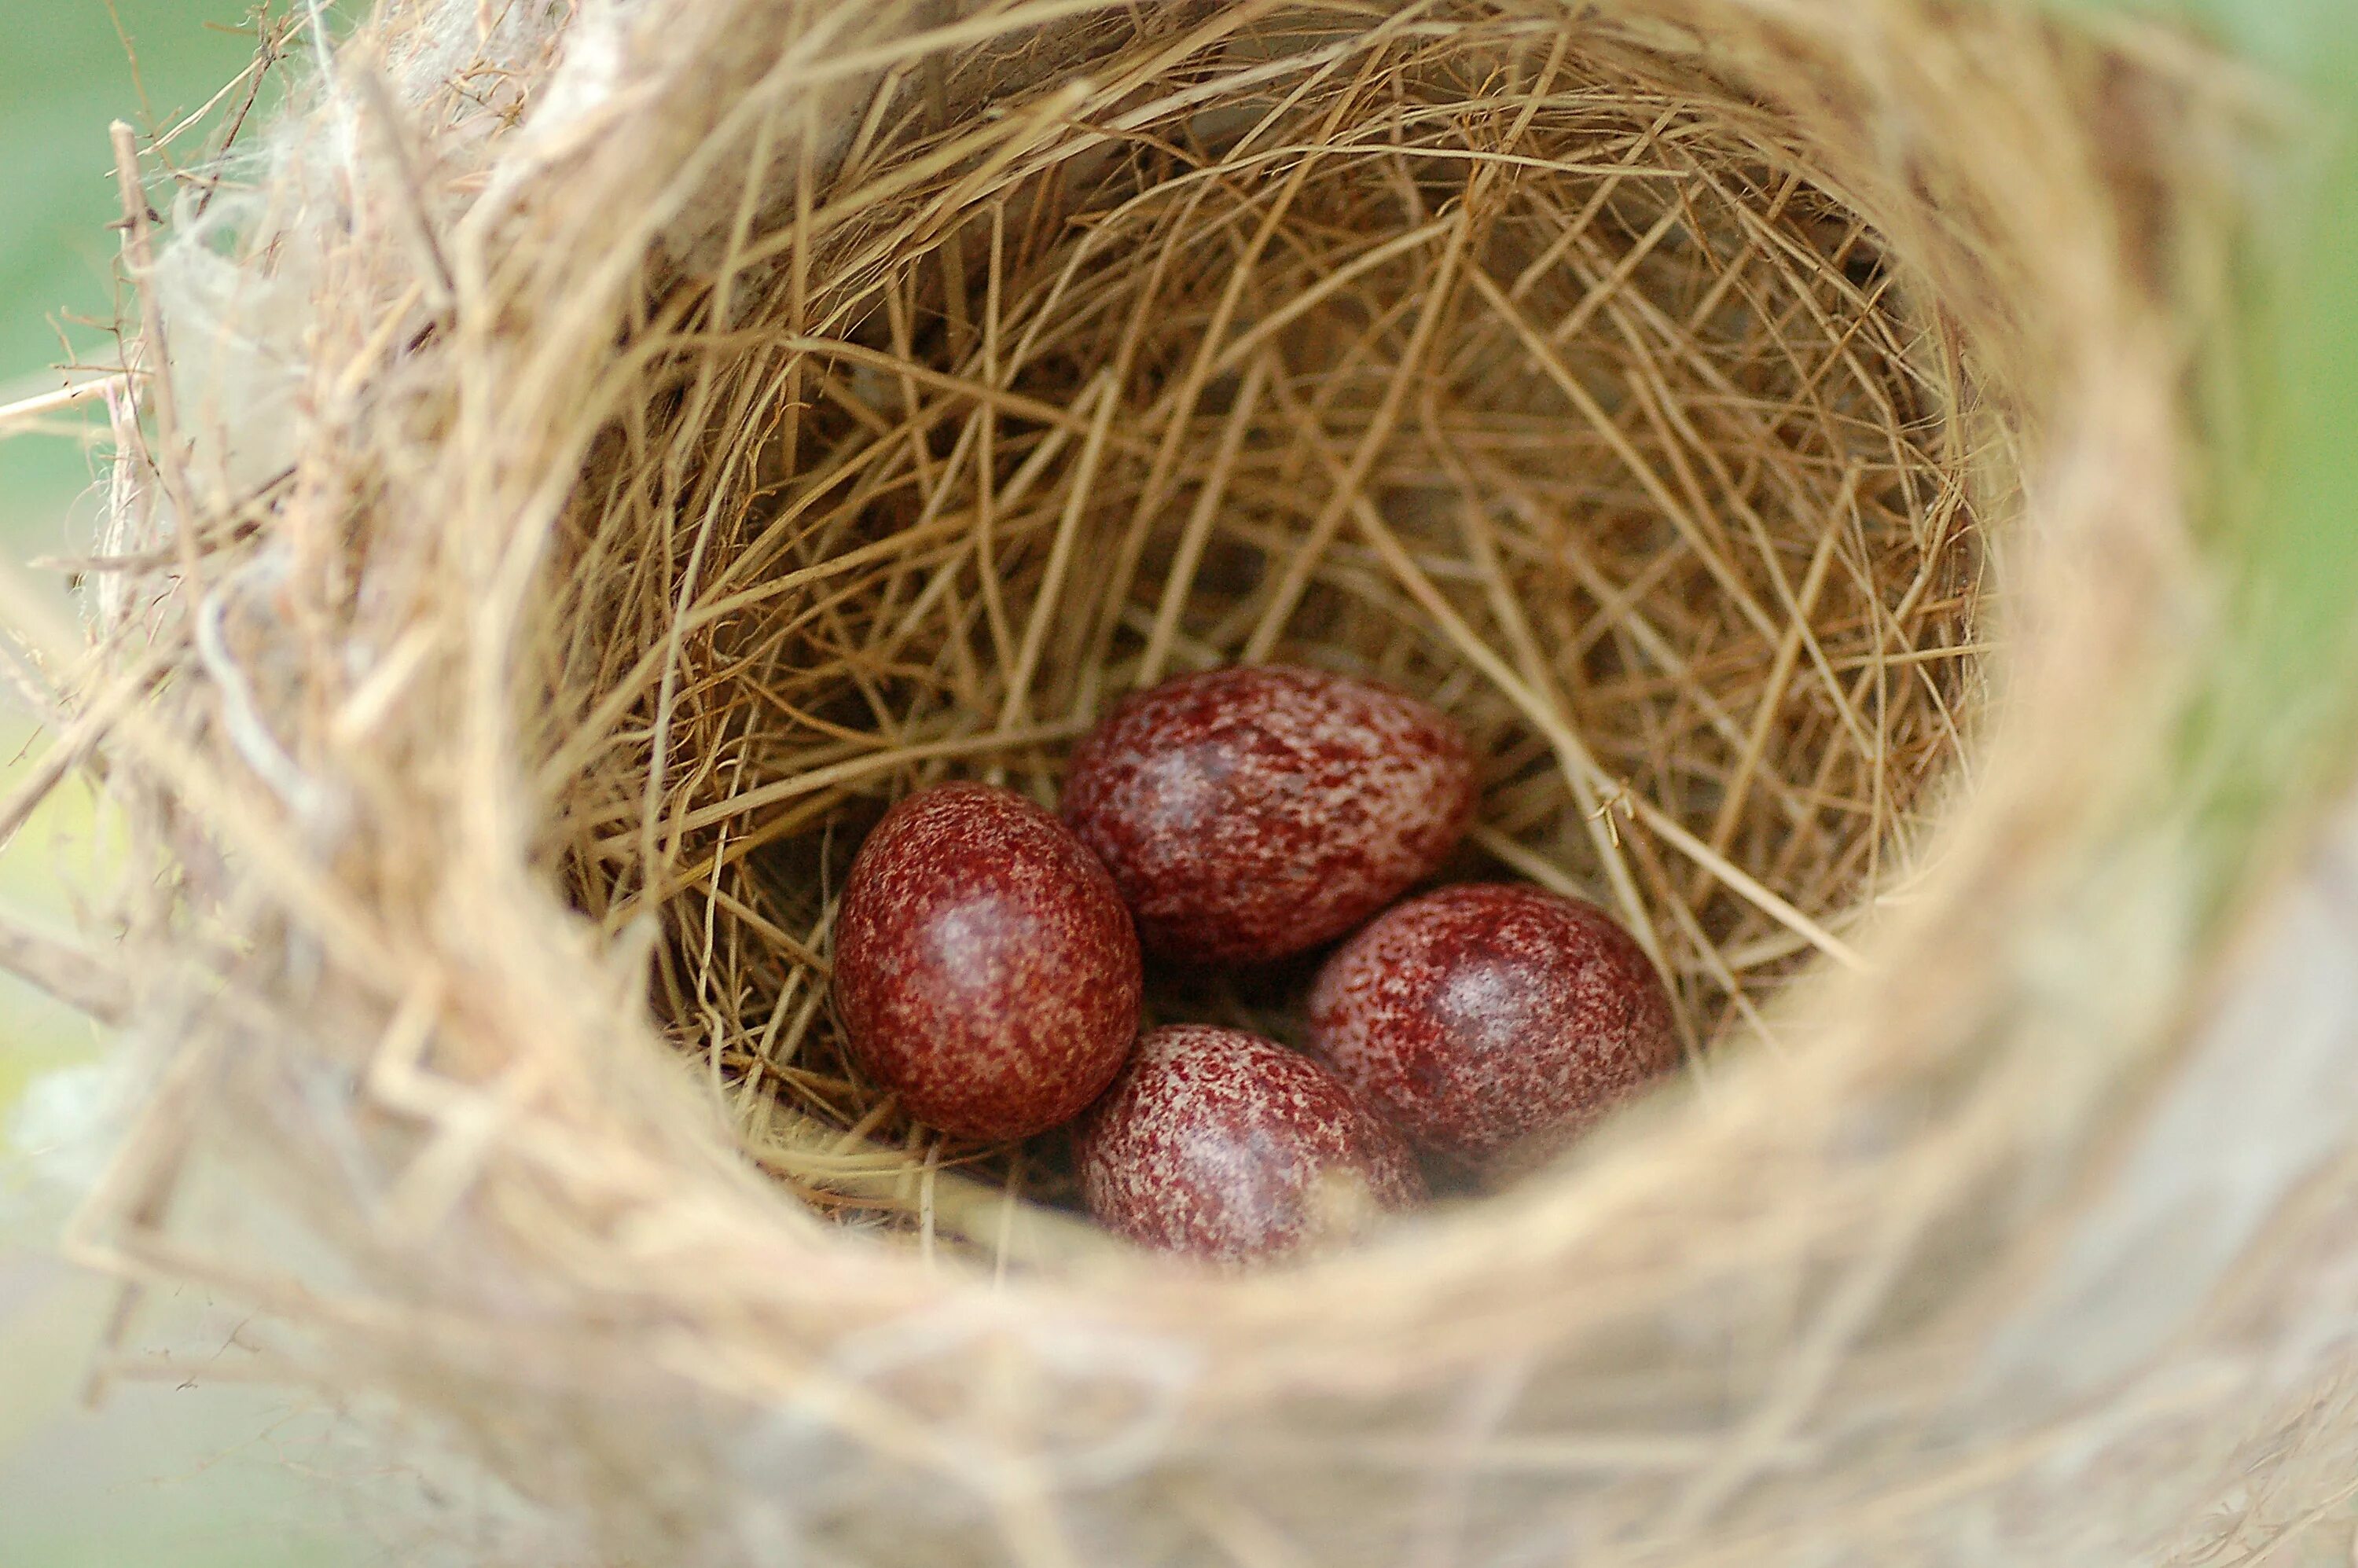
(1224, 1146)
(985, 969)
(1489, 1017)
(1254, 812)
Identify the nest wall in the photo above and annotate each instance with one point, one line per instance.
(1761, 424)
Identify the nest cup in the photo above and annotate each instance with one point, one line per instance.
(1517, 380)
(711, 422)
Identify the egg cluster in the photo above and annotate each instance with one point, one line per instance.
(988, 967)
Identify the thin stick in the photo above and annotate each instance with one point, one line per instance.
(63, 971)
(1483, 549)
(1347, 493)
(139, 261)
(1011, 711)
(30, 410)
(1209, 496)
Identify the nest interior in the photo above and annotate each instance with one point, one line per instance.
(1549, 384)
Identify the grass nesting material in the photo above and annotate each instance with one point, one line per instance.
(614, 449)
(1562, 395)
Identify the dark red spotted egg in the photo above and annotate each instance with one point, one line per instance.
(985, 969)
(1228, 1147)
(1489, 1017)
(1257, 811)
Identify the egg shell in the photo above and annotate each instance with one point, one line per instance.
(1489, 1017)
(1228, 1147)
(985, 969)
(1257, 811)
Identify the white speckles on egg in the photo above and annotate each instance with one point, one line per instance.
(1228, 1147)
(1250, 812)
(985, 969)
(1486, 1016)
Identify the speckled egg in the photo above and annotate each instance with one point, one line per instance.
(1489, 1017)
(1257, 811)
(985, 969)
(1224, 1146)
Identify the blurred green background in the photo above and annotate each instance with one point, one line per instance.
(165, 1478)
(156, 1475)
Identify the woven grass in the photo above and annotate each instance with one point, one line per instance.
(692, 426)
(1551, 392)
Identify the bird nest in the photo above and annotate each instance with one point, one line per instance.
(605, 456)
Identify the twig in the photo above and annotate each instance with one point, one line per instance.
(68, 973)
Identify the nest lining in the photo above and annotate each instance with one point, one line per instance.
(1552, 385)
